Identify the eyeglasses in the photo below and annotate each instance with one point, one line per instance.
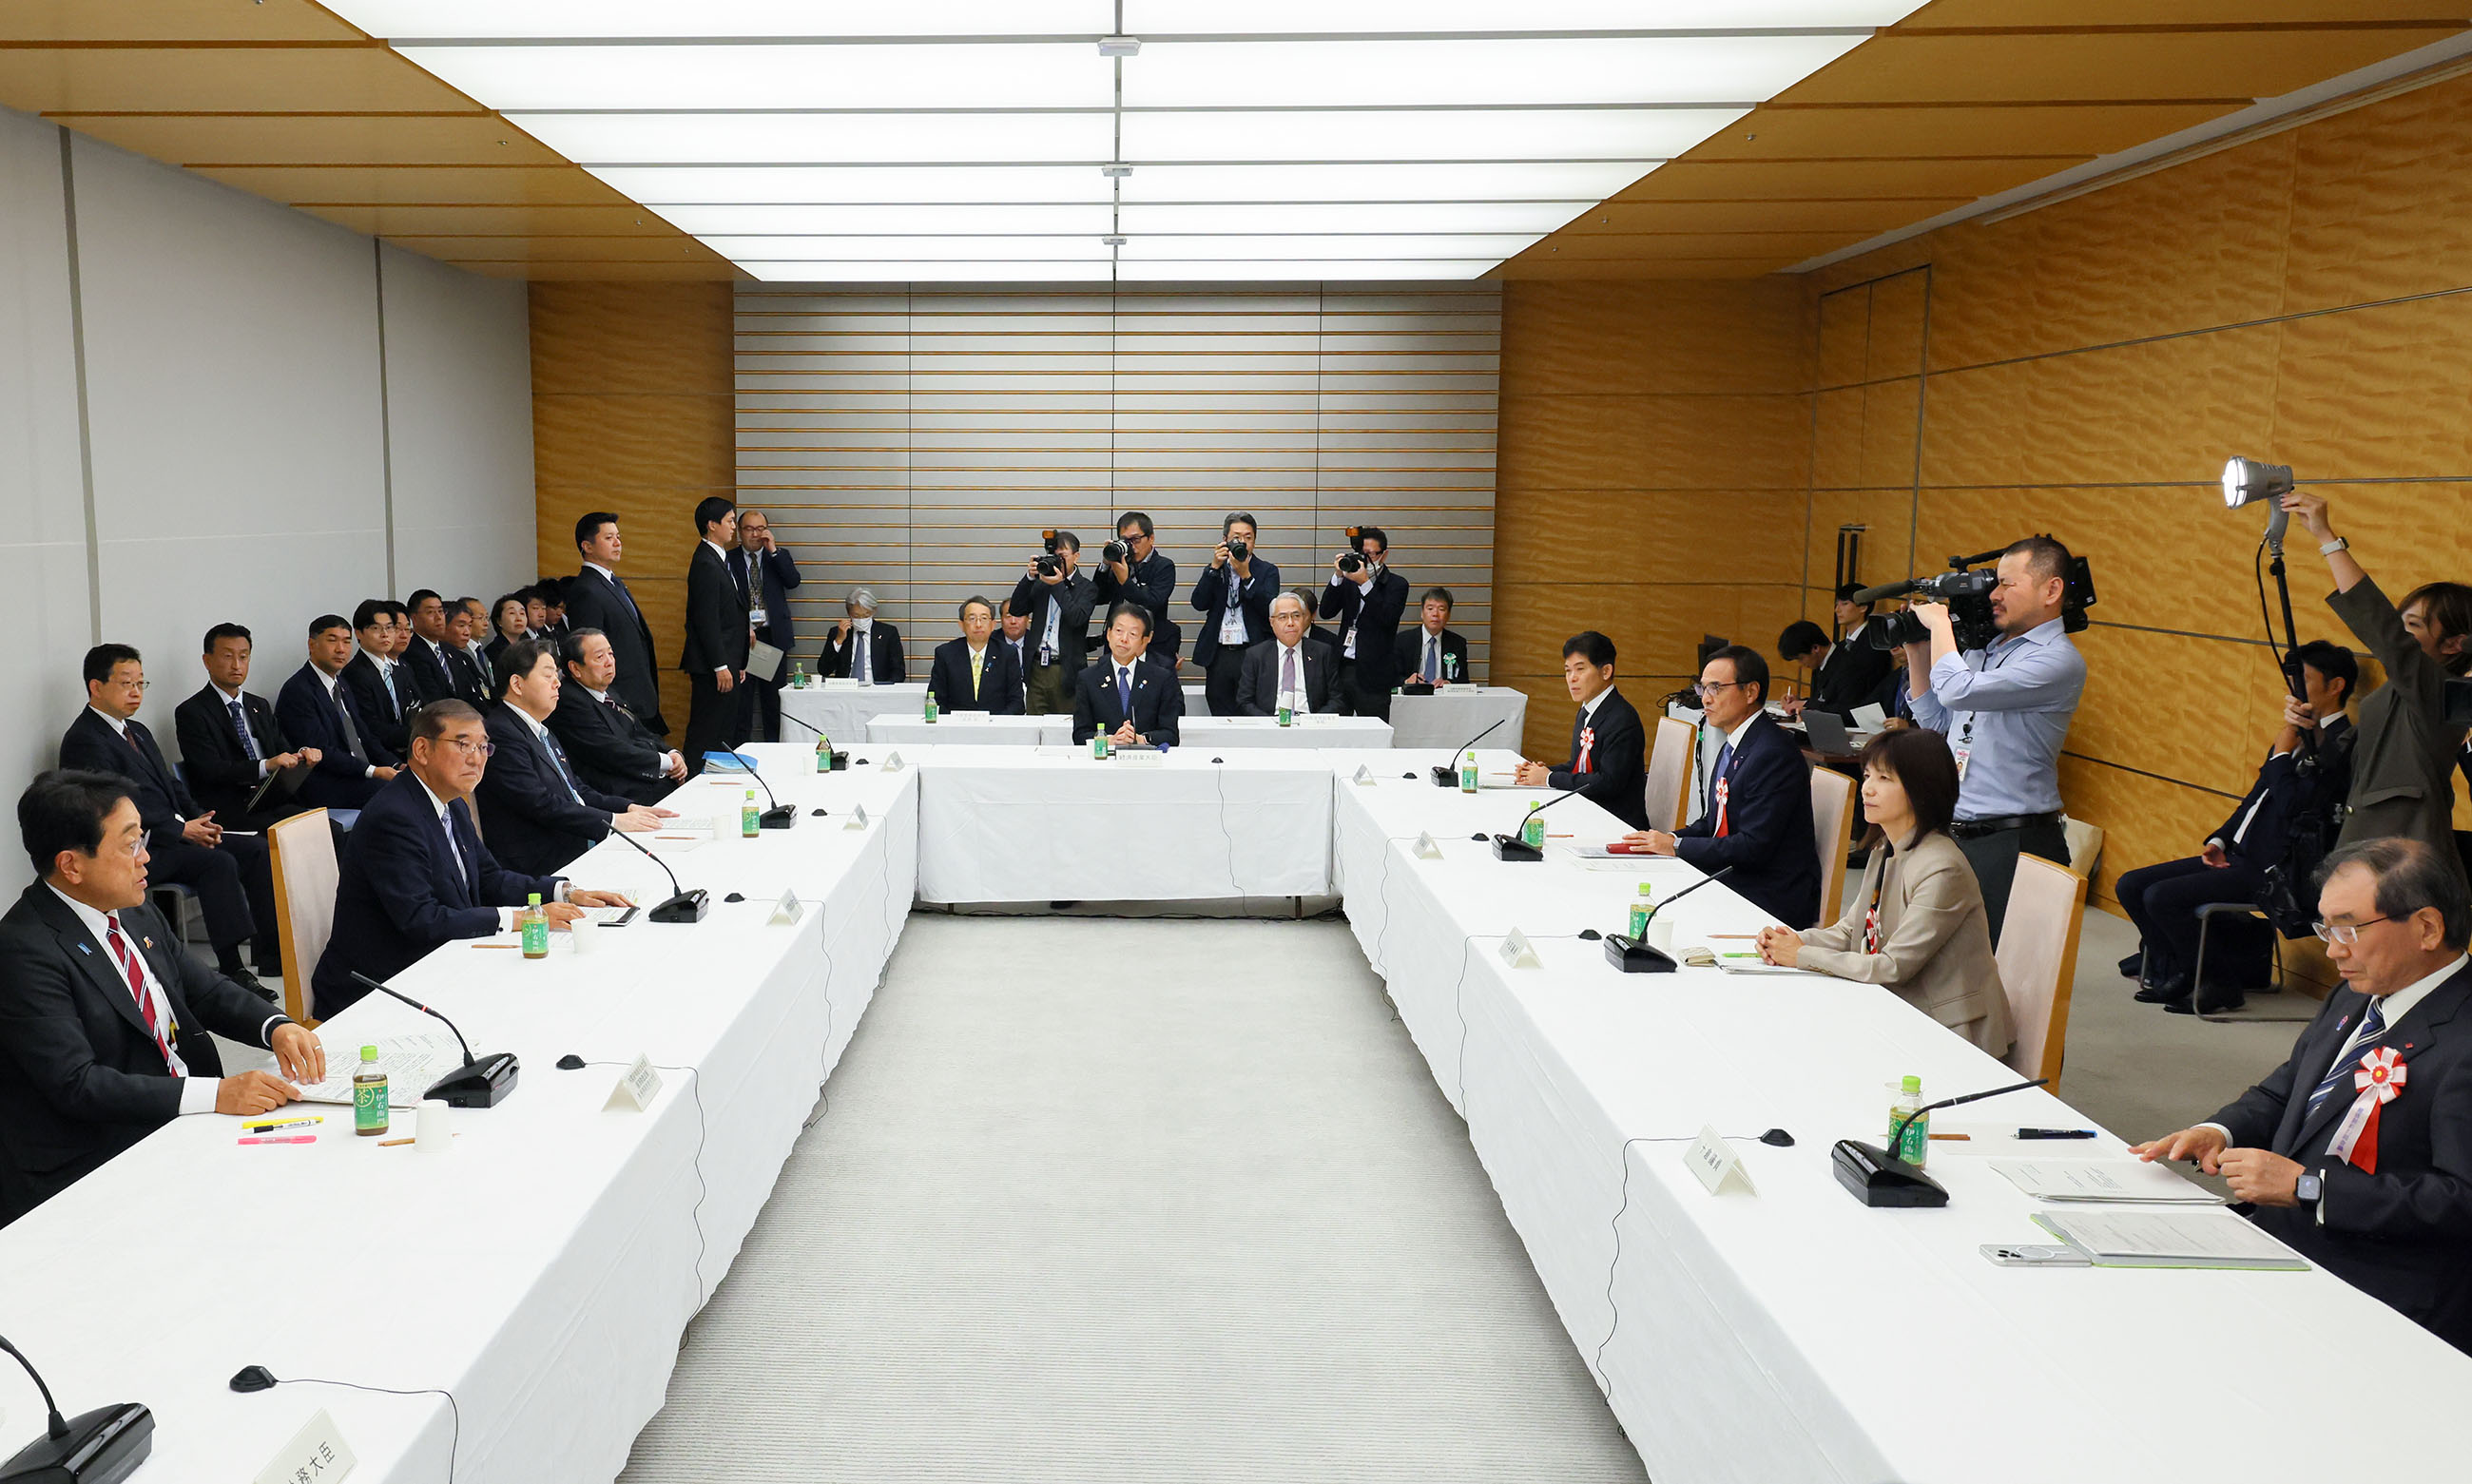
(2345, 934)
(480, 748)
(130, 685)
(1708, 687)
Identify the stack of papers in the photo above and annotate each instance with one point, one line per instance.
(412, 1063)
(2175, 1239)
(2129, 1182)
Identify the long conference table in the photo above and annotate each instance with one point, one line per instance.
(543, 1270)
(1448, 718)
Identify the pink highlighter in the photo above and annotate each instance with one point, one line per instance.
(284, 1139)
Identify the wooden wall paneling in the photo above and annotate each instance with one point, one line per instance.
(2164, 557)
(2382, 201)
(1628, 338)
(1895, 344)
(1890, 427)
(2380, 391)
(1676, 443)
(1836, 438)
(1845, 336)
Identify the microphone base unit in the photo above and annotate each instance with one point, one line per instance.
(1875, 1177)
(484, 1084)
(1636, 956)
(102, 1447)
(1509, 847)
(836, 762)
(1446, 777)
(780, 816)
(687, 906)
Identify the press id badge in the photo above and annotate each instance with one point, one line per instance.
(1961, 754)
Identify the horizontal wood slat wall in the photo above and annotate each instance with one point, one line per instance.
(917, 441)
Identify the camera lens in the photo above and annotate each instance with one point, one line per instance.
(1239, 549)
(1048, 566)
(1349, 561)
(1117, 551)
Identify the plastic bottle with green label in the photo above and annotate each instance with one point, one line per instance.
(931, 708)
(535, 925)
(1639, 911)
(823, 753)
(370, 1095)
(1915, 1145)
(1531, 830)
(798, 674)
(751, 818)
(1467, 773)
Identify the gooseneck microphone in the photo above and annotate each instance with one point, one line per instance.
(840, 759)
(1876, 1177)
(1511, 847)
(484, 1082)
(780, 816)
(1447, 776)
(685, 907)
(101, 1446)
(1638, 955)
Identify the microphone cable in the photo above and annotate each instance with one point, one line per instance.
(694, 1088)
(257, 1377)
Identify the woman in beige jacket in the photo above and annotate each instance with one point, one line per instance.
(1914, 923)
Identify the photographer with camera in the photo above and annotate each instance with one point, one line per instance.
(1056, 599)
(1368, 600)
(2004, 709)
(1133, 570)
(1235, 592)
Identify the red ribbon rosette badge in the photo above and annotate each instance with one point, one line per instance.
(2380, 1079)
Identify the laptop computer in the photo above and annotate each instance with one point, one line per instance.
(1827, 732)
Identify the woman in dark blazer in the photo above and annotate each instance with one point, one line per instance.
(511, 617)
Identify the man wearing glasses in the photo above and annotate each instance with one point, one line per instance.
(1758, 818)
(228, 871)
(415, 874)
(2357, 1152)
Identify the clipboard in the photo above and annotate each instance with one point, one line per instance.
(288, 779)
(763, 660)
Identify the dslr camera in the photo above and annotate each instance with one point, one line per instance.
(1117, 549)
(1352, 561)
(1238, 549)
(1050, 564)
(1967, 589)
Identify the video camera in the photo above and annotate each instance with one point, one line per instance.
(1050, 564)
(1967, 589)
(1352, 561)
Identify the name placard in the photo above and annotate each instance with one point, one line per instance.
(1365, 774)
(315, 1452)
(1425, 848)
(1518, 952)
(786, 911)
(636, 1088)
(891, 763)
(856, 820)
(1718, 1168)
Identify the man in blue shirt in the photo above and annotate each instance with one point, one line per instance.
(2005, 711)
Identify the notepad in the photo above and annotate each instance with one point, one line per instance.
(2173, 1238)
(412, 1063)
(2127, 1181)
(1738, 961)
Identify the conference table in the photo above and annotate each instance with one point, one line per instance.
(844, 709)
(978, 729)
(544, 1268)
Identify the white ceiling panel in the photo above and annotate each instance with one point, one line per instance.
(1739, 70)
(1531, 218)
(822, 138)
(1313, 271)
(1418, 133)
(656, 186)
(925, 250)
(808, 270)
(1091, 218)
(1589, 183)
(1496, 246)
(864, 75)
(1328, 17)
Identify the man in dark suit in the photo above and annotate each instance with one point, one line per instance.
(765, 572)
(716, 638)
(608, 744)
(1291, 671)
(1758, 818)
(1844, 675)
(597, 598)
(378, 685)
(464, 663)
(230, 740)
(473, 630)
(1367, 599)
(1013, 631)
(2383, 1198)
(1609, 750)
(104, 1017)
(535, 810)
(348, 763)
(2259, 835)
(1144, 575)
(228, 873)
(1433, 651)
(859, 641)
(1234, 594)
(426, 660)
(977, 671)
(1057, 638)
(1136, 704)
(415, 874)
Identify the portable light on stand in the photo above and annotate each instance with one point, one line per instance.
(2247, 482)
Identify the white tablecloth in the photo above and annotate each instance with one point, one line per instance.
(973, 729)
(1307, 732)
(1452, 715)
(842, 708)
(1049, 824)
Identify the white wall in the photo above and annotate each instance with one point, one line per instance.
(241, 434)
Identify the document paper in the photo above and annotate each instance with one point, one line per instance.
(2129, 1181)
(411, 1064)
(2178, 1238)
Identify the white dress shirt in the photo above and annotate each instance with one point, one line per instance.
(197, 1094)
(1364, 586)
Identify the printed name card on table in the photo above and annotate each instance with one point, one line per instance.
(891, 763)
(1365, 774)
(857, 819)
(316, 1454)
(788, 910)
(1425, 848)
(636, 1090)
(1518, 952)
(1714, 1160)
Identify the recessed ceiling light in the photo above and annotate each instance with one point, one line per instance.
(1423, 73)
(656, 186)
(1422, 133)
(888, 74)
(535, 18)
(822, 138)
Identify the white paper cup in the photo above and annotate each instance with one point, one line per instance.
(434, 1131)
(1660, 934)
(585, 930)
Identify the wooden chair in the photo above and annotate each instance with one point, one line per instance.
(1669, 774)
(2038, 962)
(300, 852)
(1831, 833)
(2085, 845)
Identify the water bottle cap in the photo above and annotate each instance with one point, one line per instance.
(534, 899)
(369, 1053)
(1912, 1085)
(1643, 888)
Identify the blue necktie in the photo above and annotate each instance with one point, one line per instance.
(240, 720)
(2373, 1026)
(455, 852)
(558, 756)
(1725, 761)
(1125, 691)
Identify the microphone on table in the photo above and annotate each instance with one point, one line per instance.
(686, 907)
(1511, 847)
(1876, 1177)
(101, 1446)
(484, 1082)
(1638, 955)
(840, 760)
(780, 816)
(1447, 776)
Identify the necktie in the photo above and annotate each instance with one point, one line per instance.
(1432, 658)
(558, 756)
(394, 697)
(2373, 1029)
(611, 701)
(1287, 674)
(626, 596)
(351, 733)
(126, 957)
(978, 667)
(860, 643)
(240, 723)
(1125, 691)
(455, 852)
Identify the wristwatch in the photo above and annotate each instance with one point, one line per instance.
(2309, 1189)
(2339, 544)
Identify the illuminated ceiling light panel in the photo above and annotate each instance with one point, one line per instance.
(925, 250)
(1276, 271)
(661, 185)
(1492, 247)
(822, 138)
(1306, 17)
(1589, 181)
(1534, 218)
(864, 75)
(1418, 134)
(1088, 218)
(808, 271)
(1411, 74)
(502, 19)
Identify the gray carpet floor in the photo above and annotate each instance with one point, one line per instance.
(1131, 1201)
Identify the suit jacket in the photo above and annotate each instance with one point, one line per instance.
(1376, 614)
(481, 670)
(1934, 948)
(1073, 598)
(337, 782)
(2402, 760)
(1257, 683)
(1152, 583)
(2404, 1235)
(1218, 587)
(597, 602)
(1408, 655)
(85, 1079)
(1617, 775)
(716, 616)
(533, 821)
(381, 714)
(471, 684)
(1159, 701)
(1851, 674)
(221, 773)
(999, 690)
(1769, 838)
(610, 747)
(884, 660)
(776, 575)
(163, 802)
(432, 678)
(400, 893)
(2282, 790)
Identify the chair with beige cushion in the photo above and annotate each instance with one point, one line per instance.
(301, 852)
(2038, 961)
(1669, 774)
(1832, 832)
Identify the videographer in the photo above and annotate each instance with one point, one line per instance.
(1136, 571)
(1235, 591)
(1368, 600)
(2006, 710)
(2402, 760)
(1056, 599)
